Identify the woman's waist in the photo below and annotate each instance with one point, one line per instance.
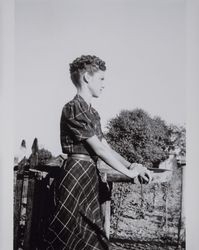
(79, 149)
(83, 157)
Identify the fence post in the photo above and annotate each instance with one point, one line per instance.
(181, 207)
(18, 190)
(107, 218)
(106, 211)
(30, 197)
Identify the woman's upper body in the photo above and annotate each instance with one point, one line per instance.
(80, 128)
(79, 121)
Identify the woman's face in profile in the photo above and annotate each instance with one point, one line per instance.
(96, 83)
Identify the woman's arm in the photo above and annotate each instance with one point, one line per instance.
(139, 167)
(126, 163)
(109, 158)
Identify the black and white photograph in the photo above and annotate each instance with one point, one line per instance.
(100, 125)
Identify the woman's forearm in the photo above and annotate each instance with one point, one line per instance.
(117, 155)
(121, 159)
(109, 157)
(113, 162)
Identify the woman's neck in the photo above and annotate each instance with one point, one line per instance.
(85, 95)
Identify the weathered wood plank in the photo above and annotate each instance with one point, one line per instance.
(39, 207)
(115, 176)
(17, 208)
(36, 208)
(29, 212)
(107, 207)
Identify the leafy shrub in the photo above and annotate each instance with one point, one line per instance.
(138, 137)
(178, 139)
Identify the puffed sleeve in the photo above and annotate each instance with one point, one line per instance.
(78, 121)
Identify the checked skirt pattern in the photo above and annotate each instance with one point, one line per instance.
(76, 223)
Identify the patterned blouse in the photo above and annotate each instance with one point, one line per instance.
(79, 121)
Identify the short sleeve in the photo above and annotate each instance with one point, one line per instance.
(78, 121)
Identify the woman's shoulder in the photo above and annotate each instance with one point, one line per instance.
(71, 103)
(75, 106)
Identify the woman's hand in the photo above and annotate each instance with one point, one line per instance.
(141, 171)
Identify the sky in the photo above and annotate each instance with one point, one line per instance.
(142, 42)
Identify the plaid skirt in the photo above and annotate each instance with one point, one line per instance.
(76, 223)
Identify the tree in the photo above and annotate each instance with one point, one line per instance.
(138, 137)
(43, 156)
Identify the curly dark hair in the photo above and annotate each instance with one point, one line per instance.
(85, 63)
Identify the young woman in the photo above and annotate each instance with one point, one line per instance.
(76, 223)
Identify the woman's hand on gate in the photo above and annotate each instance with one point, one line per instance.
(142, 172)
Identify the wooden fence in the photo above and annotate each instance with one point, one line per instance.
(31, 193)
(32, 183)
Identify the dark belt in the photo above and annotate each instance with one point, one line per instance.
(83, 157)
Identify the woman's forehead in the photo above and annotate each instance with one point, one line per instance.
(100, 73)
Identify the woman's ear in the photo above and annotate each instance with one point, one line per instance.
(86, 77)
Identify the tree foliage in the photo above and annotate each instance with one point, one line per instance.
(138, 137)
(44, 155)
